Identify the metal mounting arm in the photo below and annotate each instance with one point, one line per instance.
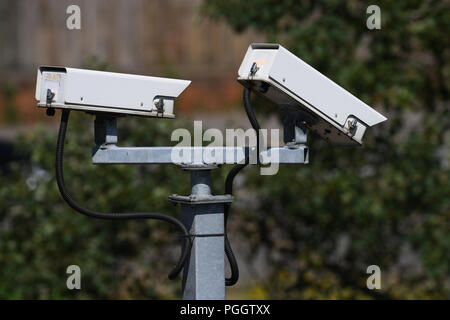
(202, 211)
(107, 152)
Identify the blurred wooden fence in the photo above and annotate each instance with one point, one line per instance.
(162, 37)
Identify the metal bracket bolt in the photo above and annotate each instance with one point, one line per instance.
(159, 104)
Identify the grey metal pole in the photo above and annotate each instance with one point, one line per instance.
(201, 211)
(203, 215)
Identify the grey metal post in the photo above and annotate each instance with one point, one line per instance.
(203, 215)
(201, 211)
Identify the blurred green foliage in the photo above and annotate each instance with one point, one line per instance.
(41, 236)
(387, 202)
(7, 93)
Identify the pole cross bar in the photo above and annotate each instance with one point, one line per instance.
(202, 211)
(197, 155)
(106, 151)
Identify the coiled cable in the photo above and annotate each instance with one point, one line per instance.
(187, 242)
(187, 239)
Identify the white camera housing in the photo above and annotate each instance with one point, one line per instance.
(328, 109)
(110, 92)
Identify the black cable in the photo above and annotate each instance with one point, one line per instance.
(159, 216)
(234, 268)
(249, 110)
(187, 243)
(229, 189)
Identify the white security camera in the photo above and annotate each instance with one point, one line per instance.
(322, 105)
(107, 92)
